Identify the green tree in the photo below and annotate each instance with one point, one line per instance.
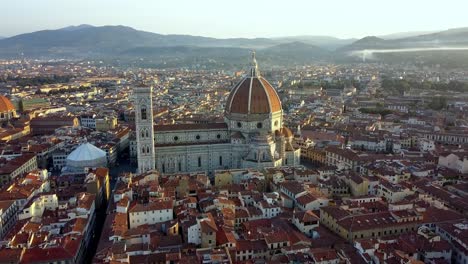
(438, 103)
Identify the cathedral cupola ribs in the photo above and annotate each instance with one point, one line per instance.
(253, 94)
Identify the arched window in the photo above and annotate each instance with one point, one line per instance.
(143, 113)
(147, 133)
(142, 133)
(143, 150)
(264, 156)
(220, 160)
(147, 150)
(255, 156)
(199, 161)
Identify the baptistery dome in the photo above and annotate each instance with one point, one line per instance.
(87, 155)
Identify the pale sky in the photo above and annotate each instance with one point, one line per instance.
(238, 18)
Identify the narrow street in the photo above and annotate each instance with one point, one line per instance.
(123, 167)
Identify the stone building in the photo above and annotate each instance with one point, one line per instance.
(251, 136)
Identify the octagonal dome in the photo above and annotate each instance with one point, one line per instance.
(87, 155)
(5, 104)
(253, 95)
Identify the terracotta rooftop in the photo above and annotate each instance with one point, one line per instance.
(158, 205)
(253, 95)
(5, 104)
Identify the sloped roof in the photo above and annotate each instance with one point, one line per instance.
(5, 104)
(86, 151)
(253, 95)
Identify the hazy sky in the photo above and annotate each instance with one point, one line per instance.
(238, 18)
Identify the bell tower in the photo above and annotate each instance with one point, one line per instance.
(144, 127)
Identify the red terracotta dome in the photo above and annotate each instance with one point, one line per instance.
(287, 132)
(5, 104)
(253, 95)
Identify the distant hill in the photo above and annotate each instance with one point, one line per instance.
(85, 40)
(325, 42)
(448, 38)
(297, 51)
(72, 28)
(370, 42)
(457, 36)
(70, 42)
(405, 34)
(125, 43)
(448, 48)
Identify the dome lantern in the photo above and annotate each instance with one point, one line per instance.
(253, 94)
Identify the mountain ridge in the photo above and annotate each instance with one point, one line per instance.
(446, 38)
(399, 35)
(87, 41)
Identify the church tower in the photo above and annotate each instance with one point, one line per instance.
(144, 128)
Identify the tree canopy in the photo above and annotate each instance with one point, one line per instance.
(39, 80)
(400, 86)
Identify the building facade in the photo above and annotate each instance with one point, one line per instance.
(155, 212)
(144, 128)
(16, 167)
(251, 136)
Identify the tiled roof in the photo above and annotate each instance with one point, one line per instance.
(253, 95)
(5, 104)
(10, 255)
(158, 205)
(305, 199)
(247, 245)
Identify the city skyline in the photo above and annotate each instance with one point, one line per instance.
(233, 132)
(297, 18)
(134, 164)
